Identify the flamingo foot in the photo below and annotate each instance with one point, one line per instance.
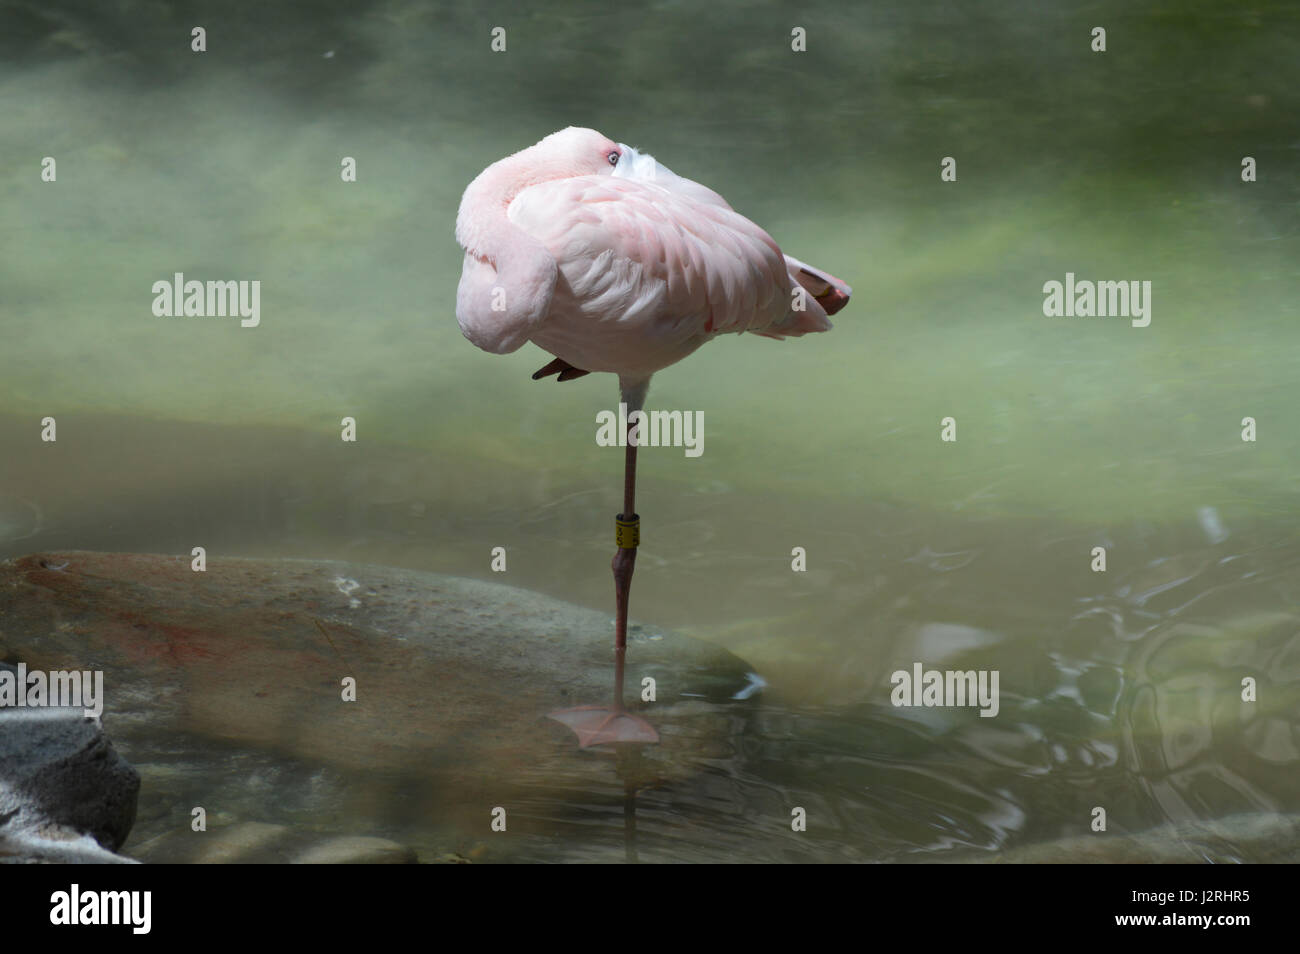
(566, 371)
(598, 725)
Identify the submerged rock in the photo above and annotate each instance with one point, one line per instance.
(453, 681)
(264, 843)
(356, 851)
(1263, 838)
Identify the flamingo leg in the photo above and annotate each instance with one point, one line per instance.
(596, 725)
(623, 564)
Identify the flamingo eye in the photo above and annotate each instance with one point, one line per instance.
(613, 158)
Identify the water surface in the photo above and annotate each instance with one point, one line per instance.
(1120, 689)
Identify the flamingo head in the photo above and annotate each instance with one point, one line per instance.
(566, 154)
(579, 152)
(585, 152)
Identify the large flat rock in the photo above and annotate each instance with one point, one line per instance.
(454, 678)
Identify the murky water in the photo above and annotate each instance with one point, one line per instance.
(1120, 689)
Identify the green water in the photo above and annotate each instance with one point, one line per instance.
(1120, 688)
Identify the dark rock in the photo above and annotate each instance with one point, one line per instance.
(57, 765)
(66, 796)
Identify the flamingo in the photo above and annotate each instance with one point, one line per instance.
(611, 262)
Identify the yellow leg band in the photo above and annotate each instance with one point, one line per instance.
(627, 532)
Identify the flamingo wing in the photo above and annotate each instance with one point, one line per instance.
(830, 293)
(637, 252)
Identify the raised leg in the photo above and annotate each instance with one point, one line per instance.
(566, 371)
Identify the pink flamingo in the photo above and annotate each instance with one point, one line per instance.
(611, 262)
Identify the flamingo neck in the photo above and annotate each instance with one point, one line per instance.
(482, 224)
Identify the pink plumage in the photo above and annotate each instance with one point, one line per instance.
(611, 262)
